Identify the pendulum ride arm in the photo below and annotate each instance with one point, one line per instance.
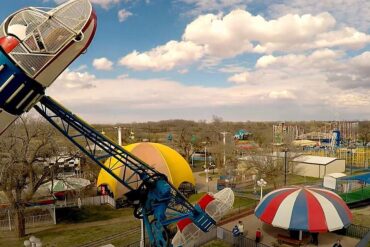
(155, 199)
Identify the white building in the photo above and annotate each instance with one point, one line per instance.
(317, 166)
(330, 180)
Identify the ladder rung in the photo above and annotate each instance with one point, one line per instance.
(7, 82)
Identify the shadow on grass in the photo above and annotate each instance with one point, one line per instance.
(90, 214)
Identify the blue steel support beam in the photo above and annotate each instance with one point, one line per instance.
(159, 201)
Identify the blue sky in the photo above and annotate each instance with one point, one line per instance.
(238, 59)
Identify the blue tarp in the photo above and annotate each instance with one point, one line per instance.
(362, 177)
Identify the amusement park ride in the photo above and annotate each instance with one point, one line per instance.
(36, 46)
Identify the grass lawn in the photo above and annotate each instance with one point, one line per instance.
(239, 202)
(356, 195)
(296, 180)
(214, 175)
(291, 180)
(217, 243)
(361, 219)
(361, 216)
(76, 228)
(242, 202)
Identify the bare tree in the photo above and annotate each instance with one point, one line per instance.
(364, 132)
(24, 147)
(184, 142)
(268, 166)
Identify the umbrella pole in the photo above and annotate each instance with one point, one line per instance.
(300, 235)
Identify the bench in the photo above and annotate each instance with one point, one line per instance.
(289, 240)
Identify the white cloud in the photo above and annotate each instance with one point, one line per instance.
(317, 59)
(281, 95)
(103, 64)
(166, 57)
(265, 61)
(123, 15)
(231, 68)
(210, 6)
(347, 37)
(73, 79)
(123, 76)
(213, 38)
(106, 4)
(351, 12)
(286, 97)
(239, 78)
(233, 34)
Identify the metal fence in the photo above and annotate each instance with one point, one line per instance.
(31, 221)
(98, 200)
(354, 231)
(87, 201)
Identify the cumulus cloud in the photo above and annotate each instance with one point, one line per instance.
(210, 6)
(103, 64)
(166, 57)
(281, 95)
(213, 38)
(231, 68)
(123, 15)
(106, 4)
(322, 58)
(265, 61)
(335, 69)
(351, 12)
(235, 33)
(73, 79)
(239, 78)
(284, 98)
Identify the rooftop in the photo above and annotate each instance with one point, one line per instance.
(314, 159)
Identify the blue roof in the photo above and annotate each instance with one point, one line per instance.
(362, 177)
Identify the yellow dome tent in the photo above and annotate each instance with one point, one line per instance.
(160, 157)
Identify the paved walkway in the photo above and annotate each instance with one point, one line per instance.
(201, 184)
(251, 223)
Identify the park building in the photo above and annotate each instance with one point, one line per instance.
(317, 166)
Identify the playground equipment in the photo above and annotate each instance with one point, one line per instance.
(358, 157)
(36, 45)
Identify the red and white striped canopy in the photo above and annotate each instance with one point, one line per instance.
(304, 208)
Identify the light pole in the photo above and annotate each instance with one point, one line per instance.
(224, 141)
(119, 129)
(205, 156)
(261, 183)
(207, 180)
(285, 164)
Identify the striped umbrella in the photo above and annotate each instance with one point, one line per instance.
(304, 209)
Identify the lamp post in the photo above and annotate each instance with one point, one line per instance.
(205, 156)
(285, 164)
(261, 183)
(207, 180)
(119, 135)
(224, 141)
